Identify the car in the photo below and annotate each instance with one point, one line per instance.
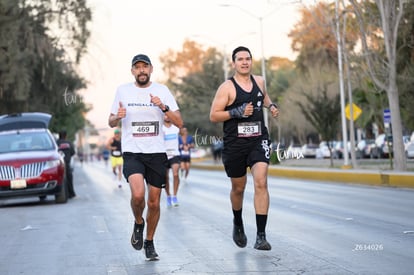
(338, 150)
(31, 164)
(309, 150)
(364, 146)
(409, 150)
(294, 151)
(406, 139)
(323, 151)
(198, 153)
(382, 146)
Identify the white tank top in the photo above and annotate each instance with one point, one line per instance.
(171, 140)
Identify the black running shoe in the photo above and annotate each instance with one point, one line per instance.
(150, 253)
(261, 243)
(137, 235)
(238, 235)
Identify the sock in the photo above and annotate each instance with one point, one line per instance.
(261, 221)
(238, 217)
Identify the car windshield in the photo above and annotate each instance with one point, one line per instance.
(25, 140)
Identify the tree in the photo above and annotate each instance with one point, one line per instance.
(405, 66)
(178, 64)
(313, 37)
(280, 74)
(194, 75)
(383, 69)
(372, 102)
(323, 113)
(37, 64)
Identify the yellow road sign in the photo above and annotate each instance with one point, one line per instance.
(356, 111)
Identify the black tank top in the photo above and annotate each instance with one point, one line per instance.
(251, 128)
(117, 152)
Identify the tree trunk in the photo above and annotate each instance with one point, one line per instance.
(397, 138)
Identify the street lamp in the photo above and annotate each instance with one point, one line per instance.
(341, 86)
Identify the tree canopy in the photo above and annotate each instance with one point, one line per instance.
(41, 42)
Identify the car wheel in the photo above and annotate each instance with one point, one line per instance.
(62, 196)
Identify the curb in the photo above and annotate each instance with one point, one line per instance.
(368, 177)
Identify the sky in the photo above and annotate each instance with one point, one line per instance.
(123, 28)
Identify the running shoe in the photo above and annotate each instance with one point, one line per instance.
(261, 242)
(239, 237)
(150, 253)
(169, 202)
(174, 201)
(137, 235)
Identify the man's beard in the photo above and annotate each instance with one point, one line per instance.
(142, 82)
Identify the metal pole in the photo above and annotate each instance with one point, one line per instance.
(341, 86)
(265, 111)
(225, 64)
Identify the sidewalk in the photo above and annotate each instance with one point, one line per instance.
(311, 171)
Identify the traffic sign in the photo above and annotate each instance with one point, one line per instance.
(387, 116)
(356, 111)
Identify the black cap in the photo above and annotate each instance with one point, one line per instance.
(141, 58)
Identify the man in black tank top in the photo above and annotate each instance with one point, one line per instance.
(239, 103)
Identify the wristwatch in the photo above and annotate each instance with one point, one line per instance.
(167, 108)
(274, 105)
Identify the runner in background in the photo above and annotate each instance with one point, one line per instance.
(186, 143)
(114, 145)
(171, 134)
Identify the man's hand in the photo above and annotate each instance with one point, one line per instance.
(157, 102)
(274, 110)
(121, 111)
(242, 111)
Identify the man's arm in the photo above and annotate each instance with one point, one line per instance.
(191, 144)
(72, 149)
(108, 144)
(177, 116)
(223, 97)
(268, 103)
(174, 116)
(220, 101)
(114, 119)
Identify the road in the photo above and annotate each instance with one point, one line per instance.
(314, 228)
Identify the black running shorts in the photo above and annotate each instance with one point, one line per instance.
(185, 158)
(152, 166)
(173, 160)
(238, 156)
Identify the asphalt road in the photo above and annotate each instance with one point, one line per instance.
(314, 228)
(368, 164)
